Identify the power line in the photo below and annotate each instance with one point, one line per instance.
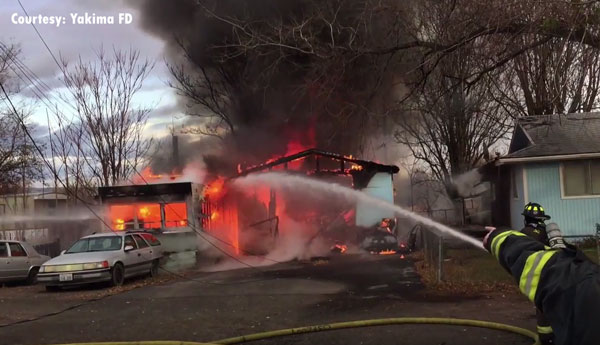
(21, 123)
(20, 67)
(41, 38)
(60, 67)
(201, 234)
(17, 61)
(58, 178)
(34, 79)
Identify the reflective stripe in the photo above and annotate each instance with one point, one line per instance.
(544, 329)
(498, 240)
(535, 208)
(530, 277)
(541, 209)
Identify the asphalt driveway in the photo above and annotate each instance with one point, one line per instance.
(224, 304)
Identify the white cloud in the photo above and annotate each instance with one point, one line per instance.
(71, 41)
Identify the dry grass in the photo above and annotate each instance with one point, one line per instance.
(467, 272)
(592, 253)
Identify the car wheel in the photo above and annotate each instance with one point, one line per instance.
(117, 275)
(32, 277)
(154, 268)
(52, 288)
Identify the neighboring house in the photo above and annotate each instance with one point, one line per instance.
(15, 207)
(41, 219)
(553, 160)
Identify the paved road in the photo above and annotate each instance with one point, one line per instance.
(239, 302)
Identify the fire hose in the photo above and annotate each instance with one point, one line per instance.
(341, 325)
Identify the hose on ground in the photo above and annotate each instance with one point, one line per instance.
(343, 325)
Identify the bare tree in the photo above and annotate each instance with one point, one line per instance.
(68, 157)
(19, 162)
(450, 125)
(432, 29)
(208, 95)
(345, 59)
(108, 133)
(317, 70)
(433, 65)
(558, 77)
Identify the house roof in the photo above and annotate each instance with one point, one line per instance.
(555, 136)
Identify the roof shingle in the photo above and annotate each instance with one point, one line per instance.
(560, 135)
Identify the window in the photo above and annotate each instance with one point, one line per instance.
(96, 244)
(140, 241)
(122, 217)
(581, 178)
(148, 216)
(130, 242)
(16, 250)
(151, 239)
(3, 250)
(513, 183)
(175, 215)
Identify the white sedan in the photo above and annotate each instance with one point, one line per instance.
(19, 261)
(104, 257)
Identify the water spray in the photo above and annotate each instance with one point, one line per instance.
(305, 184)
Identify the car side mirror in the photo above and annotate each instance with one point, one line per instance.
(128, 248)
(63, 251)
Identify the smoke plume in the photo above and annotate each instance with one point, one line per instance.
(265, 100)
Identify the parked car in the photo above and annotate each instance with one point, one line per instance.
(19, 261)
(104, 257)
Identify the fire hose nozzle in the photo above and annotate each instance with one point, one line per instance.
(555, 237)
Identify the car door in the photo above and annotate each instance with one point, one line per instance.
(155, 245)
(146, 252)
(19, 261)
(4, 262)
(132, 259)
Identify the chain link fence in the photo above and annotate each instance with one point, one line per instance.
(439, 252)
(432, 243)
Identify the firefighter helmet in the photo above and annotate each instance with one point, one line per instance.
(536, 211)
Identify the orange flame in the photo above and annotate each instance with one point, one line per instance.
(341, 248)
(119, 224)
(148, 176)
(224, 222)
(215, 188)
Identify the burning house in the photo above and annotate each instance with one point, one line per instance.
(277, 119)
(165, 208)
(250, 220)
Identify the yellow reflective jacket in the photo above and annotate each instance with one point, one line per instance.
(564, 284)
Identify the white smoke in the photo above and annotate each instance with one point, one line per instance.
(194, 172)
(303, 184)
(57, 217)
(468, 184)
(297, 243)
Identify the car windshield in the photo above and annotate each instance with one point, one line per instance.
(96, 244)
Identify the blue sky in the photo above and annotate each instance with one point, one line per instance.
(71, 40)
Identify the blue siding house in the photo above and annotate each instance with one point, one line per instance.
(554, 160)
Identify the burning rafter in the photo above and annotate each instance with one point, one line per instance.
(356, 164)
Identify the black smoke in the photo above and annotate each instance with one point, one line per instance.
(333, 99)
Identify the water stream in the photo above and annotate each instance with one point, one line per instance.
(308, 185)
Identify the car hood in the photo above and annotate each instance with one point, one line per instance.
(81, 258)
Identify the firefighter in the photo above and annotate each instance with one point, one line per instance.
(536, 228)
(534, 222)
(563, 282)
